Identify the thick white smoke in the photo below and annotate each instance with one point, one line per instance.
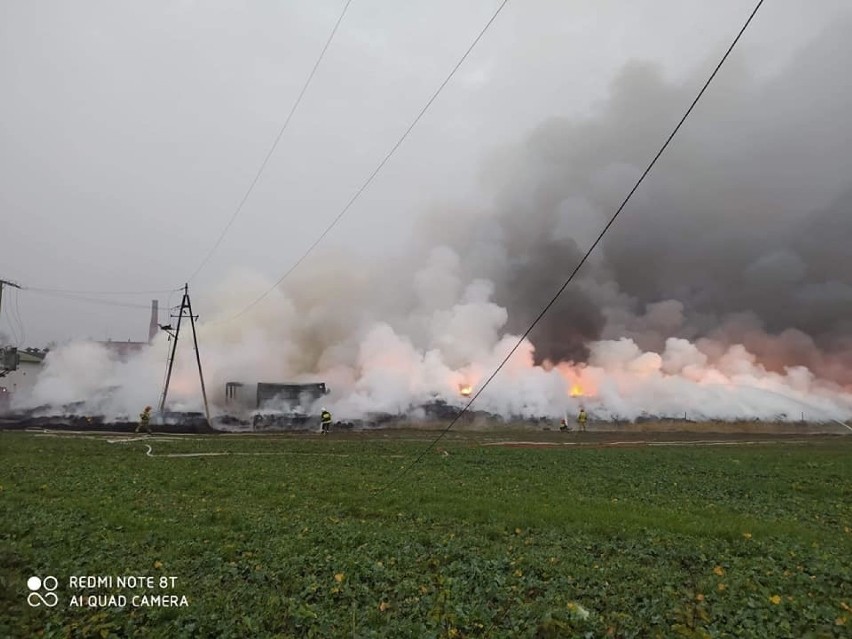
(399, 362)
(723, 292)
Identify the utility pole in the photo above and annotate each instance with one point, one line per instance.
(185, 311)
(9, 357)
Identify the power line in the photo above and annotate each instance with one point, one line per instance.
(16, 286)
(274, 144)
(168, 310)
(17, 311)
(36, 289)
(89, 300)
(10, 320)
(14, 333)
(586, 255)
(378, 168)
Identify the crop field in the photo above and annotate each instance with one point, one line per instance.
(304, 536)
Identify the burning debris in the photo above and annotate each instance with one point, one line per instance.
(75, 418)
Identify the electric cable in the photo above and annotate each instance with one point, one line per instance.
(269, 153)
(38, 289)
(88, 300)
(375, 171)
(14, 334)
(17, 311)
(585, 257)
(168, 310)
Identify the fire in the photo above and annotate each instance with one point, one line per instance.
(465, 390)
(579, 381)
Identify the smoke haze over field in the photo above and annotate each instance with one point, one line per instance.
(723, 290)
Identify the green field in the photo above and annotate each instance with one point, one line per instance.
(324, 538)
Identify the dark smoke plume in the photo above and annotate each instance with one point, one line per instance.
(745, 223)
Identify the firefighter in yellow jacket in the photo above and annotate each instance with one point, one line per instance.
(581, 419)
(144, 420)
(325, 419)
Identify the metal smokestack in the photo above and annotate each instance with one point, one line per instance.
(154, 326)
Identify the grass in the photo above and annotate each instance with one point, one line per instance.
(734, 541)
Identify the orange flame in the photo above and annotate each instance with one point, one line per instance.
(576, 390)
(465, 390)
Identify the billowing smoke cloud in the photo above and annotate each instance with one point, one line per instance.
(723, 291)
(90, 373)
(741, 233)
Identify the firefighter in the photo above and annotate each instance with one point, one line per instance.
(144, 420)
(563, 424)
(325, 418)
(581, 419)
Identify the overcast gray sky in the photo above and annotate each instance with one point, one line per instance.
(129, 131)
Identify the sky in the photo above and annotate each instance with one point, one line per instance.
(129, 132)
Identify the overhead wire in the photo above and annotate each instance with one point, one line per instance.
(78, 295)
(269, 153)
(378, 168)
(17, 312)
(73, 295)
(585, 257)
(88, 300)
(168, 310)
(38, 289)
(9, 320)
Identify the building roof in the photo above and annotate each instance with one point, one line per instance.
(31, 355)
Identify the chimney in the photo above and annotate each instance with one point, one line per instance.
(154, 327)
